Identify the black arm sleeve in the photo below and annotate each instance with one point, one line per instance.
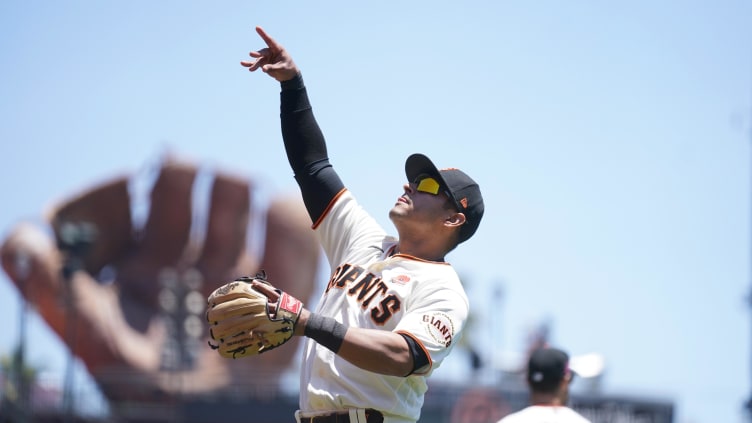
(419, 356)
(306, 149)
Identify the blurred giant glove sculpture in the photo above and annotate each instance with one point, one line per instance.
(112, 290)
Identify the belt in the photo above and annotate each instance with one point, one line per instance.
(372, 416)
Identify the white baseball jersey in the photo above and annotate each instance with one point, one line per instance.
(373, 288)
(545, 414)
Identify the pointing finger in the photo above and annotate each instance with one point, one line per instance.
(267, 39)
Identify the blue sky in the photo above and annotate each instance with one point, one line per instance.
(611, 142)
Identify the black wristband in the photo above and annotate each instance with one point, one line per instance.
(326, 331)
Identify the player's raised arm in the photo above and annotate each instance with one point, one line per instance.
(304, 142)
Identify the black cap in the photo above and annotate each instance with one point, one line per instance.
(547, 367)
(462, 189)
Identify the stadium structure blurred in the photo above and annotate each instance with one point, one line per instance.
(486, 392)
(259, 401)
(486, 389)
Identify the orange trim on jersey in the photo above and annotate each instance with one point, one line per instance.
(408, 256)
(328, 207)
(423, 347)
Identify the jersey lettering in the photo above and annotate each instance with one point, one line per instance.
(386, 309)
(366, 284)
(366, 287)
(342, 275)
(351, 275)
(382, 288)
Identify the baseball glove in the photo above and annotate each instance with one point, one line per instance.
(248, 316)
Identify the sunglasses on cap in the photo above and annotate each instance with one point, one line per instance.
(427, 184)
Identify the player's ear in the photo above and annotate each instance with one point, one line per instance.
(565, 381)
(455, 219)
(569, 377)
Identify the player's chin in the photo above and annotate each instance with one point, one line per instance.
(398, 212)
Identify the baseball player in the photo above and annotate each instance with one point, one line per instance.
(548, 377)
(393, 308)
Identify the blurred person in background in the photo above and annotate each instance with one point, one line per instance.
(548, 377)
